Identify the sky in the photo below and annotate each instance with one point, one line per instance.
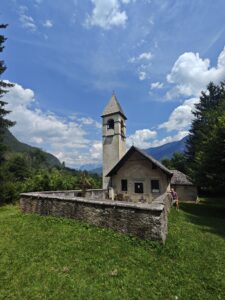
(67, 57)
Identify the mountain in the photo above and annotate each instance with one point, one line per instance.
(16, 146)
(167, 150)
(89, 167)
(159, 153)
(92, 168)
(97, 170)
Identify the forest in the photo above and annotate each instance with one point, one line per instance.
(28, 172)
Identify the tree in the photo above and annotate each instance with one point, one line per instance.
(213, 160)
(177, 162)
(38, 157)
(19, 167)
(206, 144)
(84, 183)
(4, 122)
(167, 163)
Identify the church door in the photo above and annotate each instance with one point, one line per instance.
(138, 187)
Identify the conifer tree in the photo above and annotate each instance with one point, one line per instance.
(4, 122)
(206, 144)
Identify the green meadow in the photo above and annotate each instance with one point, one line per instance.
(55, 258)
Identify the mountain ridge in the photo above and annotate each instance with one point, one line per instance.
(15, 146)
(160, 152)
(167, 150)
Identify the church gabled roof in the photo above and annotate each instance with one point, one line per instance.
(143, 153)
(113, 107)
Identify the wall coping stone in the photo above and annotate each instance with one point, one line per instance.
(69, 191)
(156, 205)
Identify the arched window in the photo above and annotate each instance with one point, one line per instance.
(110, 124)
(122, 127)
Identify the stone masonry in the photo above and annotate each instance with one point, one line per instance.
(147, 221)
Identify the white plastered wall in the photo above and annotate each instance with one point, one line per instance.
(139, 169)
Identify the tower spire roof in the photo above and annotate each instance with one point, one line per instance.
(113, 107)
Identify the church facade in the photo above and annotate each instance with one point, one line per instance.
(130, 175)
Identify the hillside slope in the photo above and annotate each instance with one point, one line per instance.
(167, 150)
(16, 146)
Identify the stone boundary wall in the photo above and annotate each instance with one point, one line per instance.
(147, 221)
(90, 193)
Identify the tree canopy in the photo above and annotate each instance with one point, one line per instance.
(4, 122)
(206, 144)
(177, 162)
(204, 159)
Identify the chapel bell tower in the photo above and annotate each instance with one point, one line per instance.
(113, 137)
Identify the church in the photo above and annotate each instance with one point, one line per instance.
(131, 175)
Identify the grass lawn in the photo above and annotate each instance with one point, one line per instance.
(54, 258)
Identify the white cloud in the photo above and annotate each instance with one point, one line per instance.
(96, 151)
(191, 74)
(48, 24)
(77, 158)
(132, 60)
(98, 125)
(25, 20)
(141, 138)
(142, 75)
(107, 14)
(156, 85)
(143, 71)
(28, 22)
(125, 1)
(181, 117)
(151, 21)
(141, 57)
(64, 138)
(89, 121)
(145, 138)
(142, 63)
(145, 55)
(169, 139)
(86, 120)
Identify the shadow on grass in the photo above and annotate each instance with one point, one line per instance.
(209, 213)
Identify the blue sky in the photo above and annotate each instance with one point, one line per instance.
(66, 58)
